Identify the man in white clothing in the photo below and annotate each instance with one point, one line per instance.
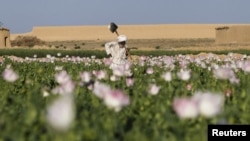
(118, 51)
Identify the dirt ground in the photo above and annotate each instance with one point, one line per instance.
(195, 44)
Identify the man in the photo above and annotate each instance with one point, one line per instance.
(118, 51)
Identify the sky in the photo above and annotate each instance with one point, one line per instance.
(20, 16)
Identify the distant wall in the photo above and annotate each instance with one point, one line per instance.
(157, 31)
(233, 34)
(4, 37)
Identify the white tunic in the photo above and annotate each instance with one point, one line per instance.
(118, 55)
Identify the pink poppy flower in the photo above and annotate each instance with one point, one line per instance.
(143, 58)
(64, 88)
(150, 71)
(85, 77)
(114, 78)
(209, 104)
(62, 77)
(246, 66)
(122, 70)
(129, 82)
(223, 73)
(101, 74)
(9, 75)
(107, 61)
(167, 76)
(116, 99)
(184, 75)
(61, 113)
(153, 89)
(101, 89)
(185, 107)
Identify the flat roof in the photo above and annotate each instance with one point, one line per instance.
(2, 28)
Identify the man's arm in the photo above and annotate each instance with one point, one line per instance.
(108, 47)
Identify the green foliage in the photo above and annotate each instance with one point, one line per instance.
(147, 118)
(100, 54)
(160, 52)
(44, 52)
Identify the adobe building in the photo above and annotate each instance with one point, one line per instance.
(233, 34)
(101, 32)
(4, 37)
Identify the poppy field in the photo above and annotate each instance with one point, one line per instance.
(155, 98)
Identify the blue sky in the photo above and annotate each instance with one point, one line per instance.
(21, 15)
